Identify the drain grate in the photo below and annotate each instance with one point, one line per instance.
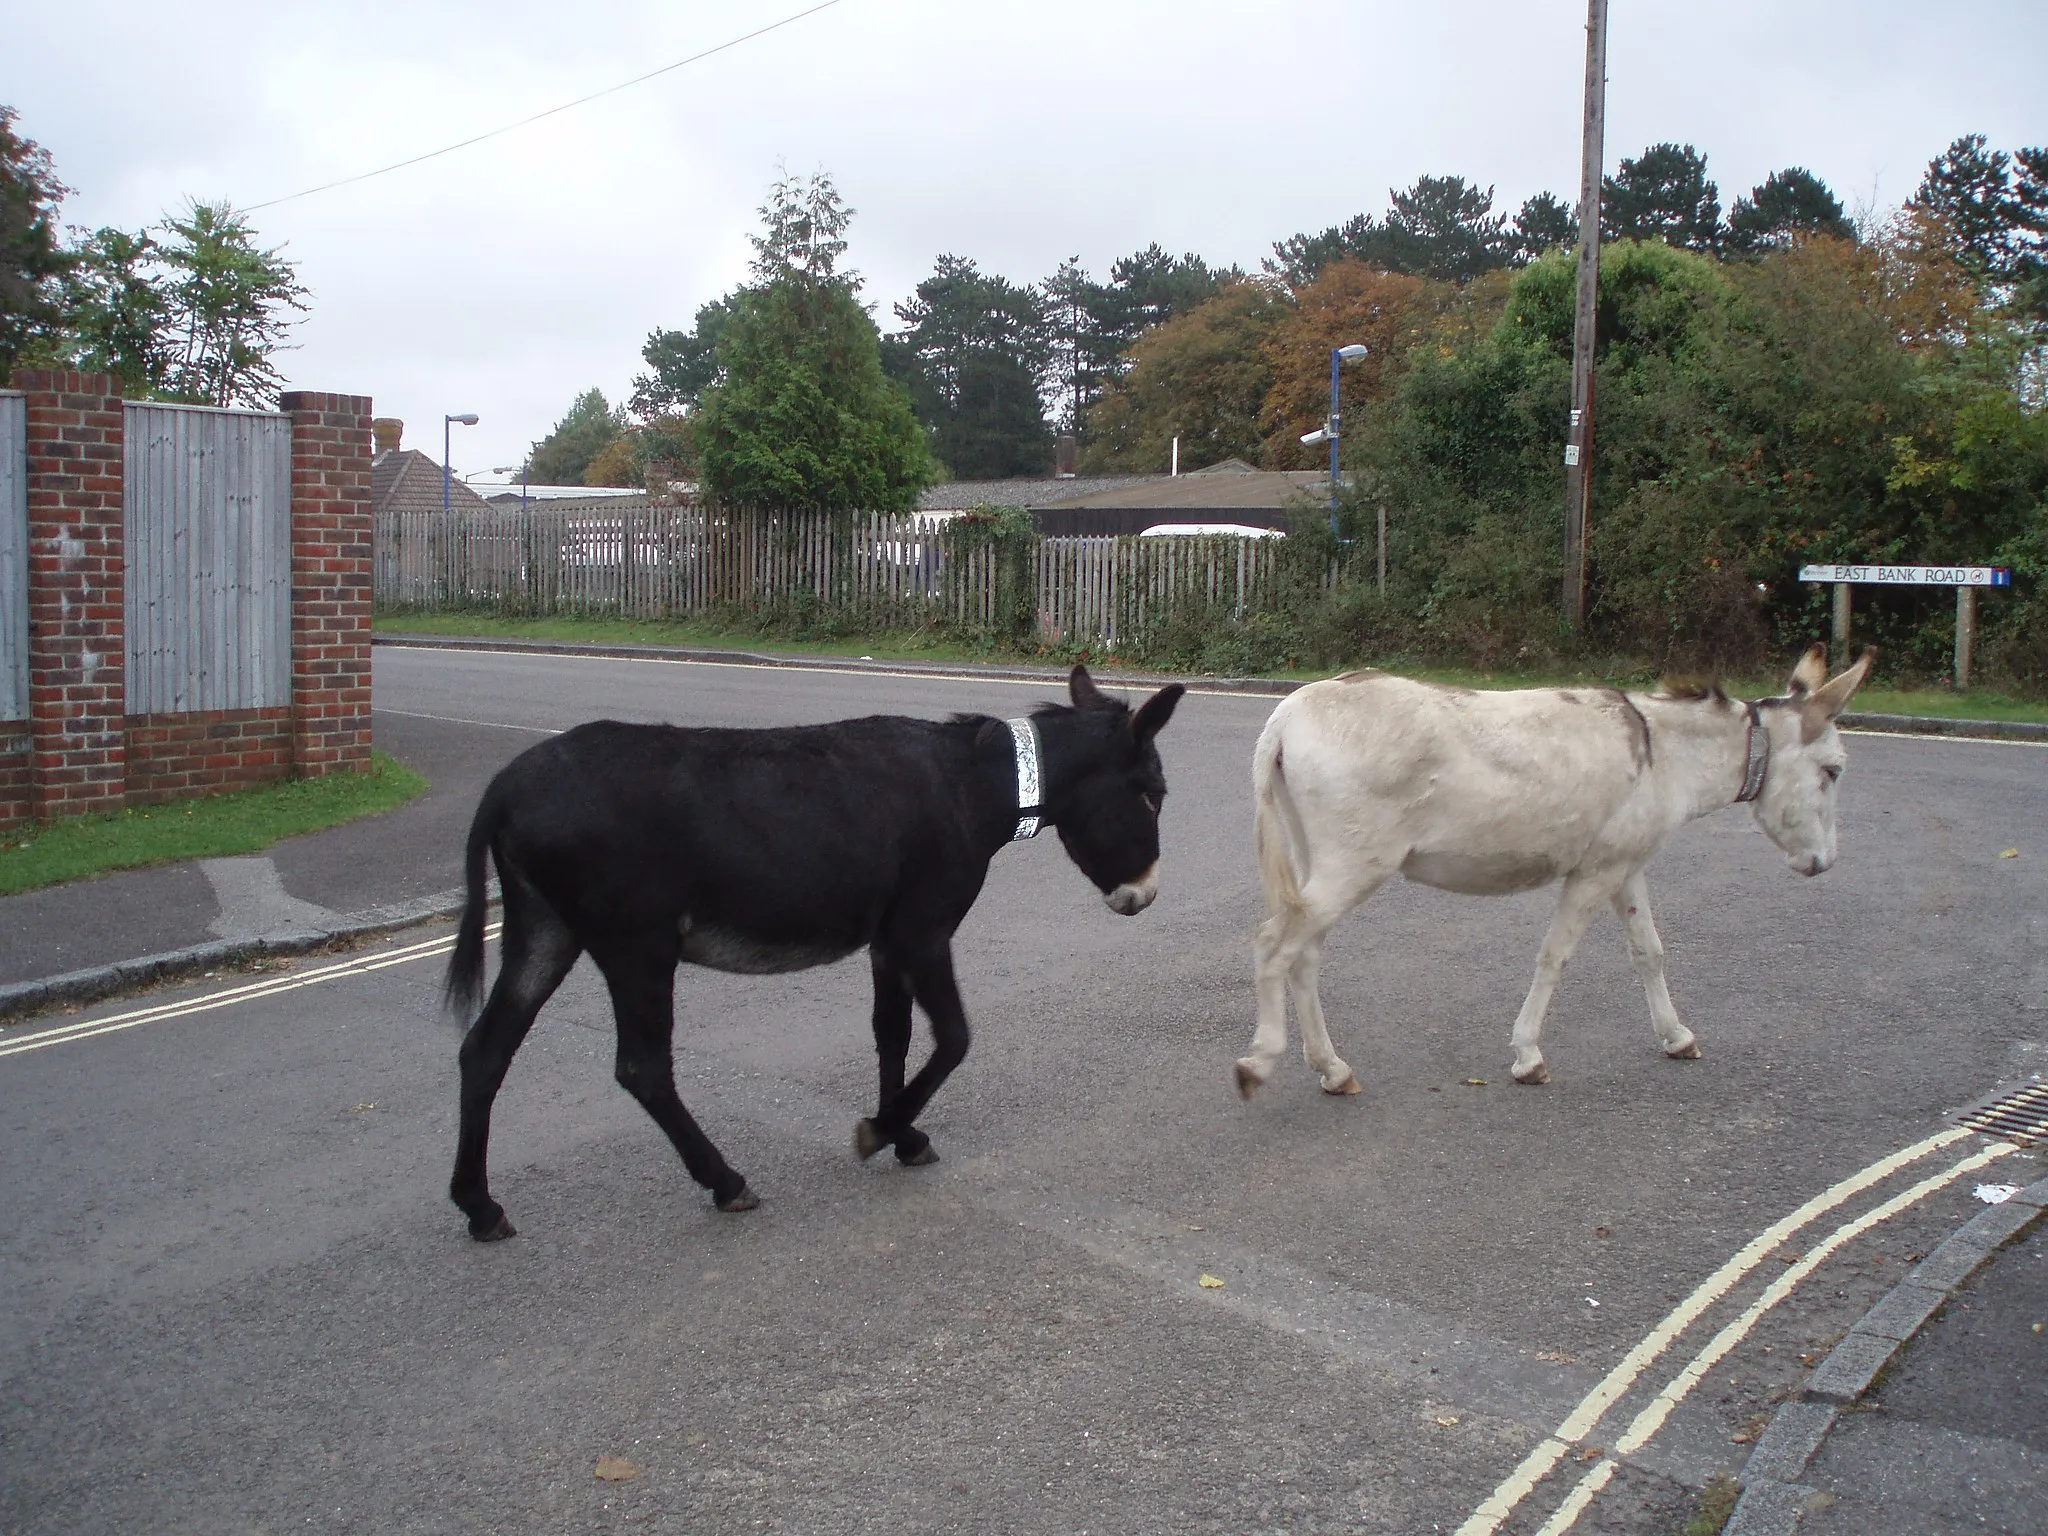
(2018, 1116)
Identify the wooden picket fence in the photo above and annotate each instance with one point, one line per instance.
(668, 561)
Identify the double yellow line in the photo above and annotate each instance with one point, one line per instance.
(1580, 1424)
(227, 997)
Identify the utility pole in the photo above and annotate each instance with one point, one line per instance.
(1578, 453)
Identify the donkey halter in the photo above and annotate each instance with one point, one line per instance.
(1030, 795)
(1758, 750)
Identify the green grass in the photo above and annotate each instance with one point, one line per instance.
(1941, 702)
(1715, 1504)
(893, 647)
(243, 821)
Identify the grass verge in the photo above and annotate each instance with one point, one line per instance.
(888, 647)
(1942, 703)
(243, 821)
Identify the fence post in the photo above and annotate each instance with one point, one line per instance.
(332, 576)
(77, 592)
(1966, 633)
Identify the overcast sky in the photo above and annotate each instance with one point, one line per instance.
(507, 277)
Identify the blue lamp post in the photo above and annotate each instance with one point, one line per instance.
(1333, 433)
(468, 419)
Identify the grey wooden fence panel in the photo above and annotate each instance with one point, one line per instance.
(13, 556)
(675, 561)
(208, 516)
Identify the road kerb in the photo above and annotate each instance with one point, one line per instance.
(23, 1000)
(1771, 1500)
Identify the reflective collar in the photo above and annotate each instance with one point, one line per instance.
(1758, 750)
(1030, 794)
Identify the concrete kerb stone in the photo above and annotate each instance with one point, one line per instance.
(1788, 1443)
(1904, 725)
(1769, 1508)
(23, 999)
(1772, 1501)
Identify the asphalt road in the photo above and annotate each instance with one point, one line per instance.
(238, 1299)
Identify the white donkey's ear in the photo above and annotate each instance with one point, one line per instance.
(1833, 696)
(1811, 672)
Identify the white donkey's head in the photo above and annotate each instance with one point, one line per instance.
(1796, 804)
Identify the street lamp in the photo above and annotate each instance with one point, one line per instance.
(468, 419)
(1333, 432)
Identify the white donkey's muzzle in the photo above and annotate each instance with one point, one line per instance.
(1134, 896)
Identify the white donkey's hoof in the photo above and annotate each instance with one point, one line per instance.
(1248, 1078)
(1531, 1076)
(1690, 1051)
(1348, 1085)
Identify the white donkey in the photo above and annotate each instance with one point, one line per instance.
(1366, 776)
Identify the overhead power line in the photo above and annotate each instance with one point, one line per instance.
(610, 90)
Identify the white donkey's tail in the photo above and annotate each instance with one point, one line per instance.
(1275, 822)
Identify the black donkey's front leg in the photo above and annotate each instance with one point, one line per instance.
(892, 1024)
(929, 979)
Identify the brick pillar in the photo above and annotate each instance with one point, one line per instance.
(331, 582)
(77, 645)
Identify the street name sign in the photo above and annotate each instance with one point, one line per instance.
(1911, 575)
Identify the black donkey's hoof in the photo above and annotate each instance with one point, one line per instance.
(741, 1199)
(922, 1157)
(493, 1231)
(867, 1140)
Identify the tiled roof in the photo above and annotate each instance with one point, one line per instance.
(406, 480)
(1220, 490)
(961, 495)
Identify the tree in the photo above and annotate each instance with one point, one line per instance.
(1299, 259)
(1150, 287)
(972, 356)
(1386, 312)
(1089, 326)
(1082, 348)
(224, 303)
(802, 417)
(1443, 228)
(1202, 376)
(681, 364)
(1663, 194)
(31, 260)
(115, 311)
(1440, 227)
(1543, 224)
(1790, 203)
(616, 464)
(589, 428)
(1997, 227)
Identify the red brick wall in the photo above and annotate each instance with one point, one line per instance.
(331, 582)
(80, 751)
(174, 757)
(16, 806)
(77, 654)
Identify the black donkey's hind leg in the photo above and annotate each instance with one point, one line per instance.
(642, 981)
(538, 951)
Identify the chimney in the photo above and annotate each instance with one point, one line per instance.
(385, 431)
(1064, 463)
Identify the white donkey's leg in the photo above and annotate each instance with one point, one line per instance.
(1632, 906)
(1289, 951)
(1580, 899)
(1322, 1056)
(1278, 944)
